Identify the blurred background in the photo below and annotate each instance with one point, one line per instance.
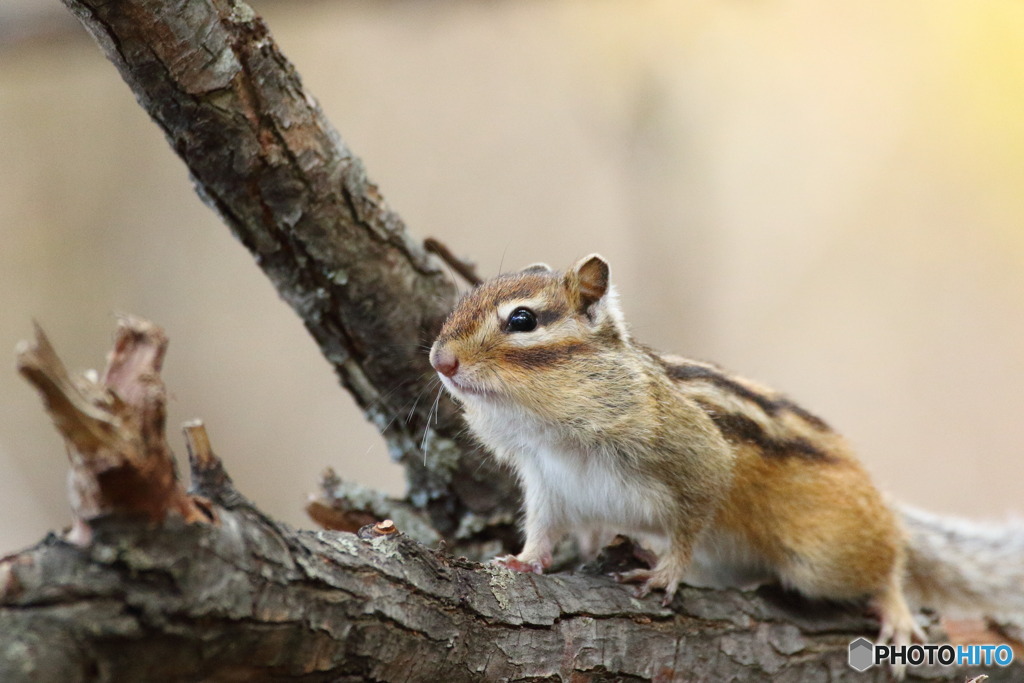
(827, 198)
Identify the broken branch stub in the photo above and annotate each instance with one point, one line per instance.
(114, 428)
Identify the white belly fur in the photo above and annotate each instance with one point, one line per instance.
(579, 491)
(584, 490)
(585, 496)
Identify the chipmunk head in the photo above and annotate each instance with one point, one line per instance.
(521, 330)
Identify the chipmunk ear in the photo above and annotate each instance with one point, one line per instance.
(589, 280)
(537, 268)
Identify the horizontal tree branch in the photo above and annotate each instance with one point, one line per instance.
(149, 588)
(250, 600)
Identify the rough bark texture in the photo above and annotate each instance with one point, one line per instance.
(250, 600)
(262, 154)
(164, 585)
(157, 584)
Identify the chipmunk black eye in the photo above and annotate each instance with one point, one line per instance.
(521, 320)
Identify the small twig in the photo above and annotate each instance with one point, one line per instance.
(464, 268)
(197, 441)
(347, 506)
(210, 479)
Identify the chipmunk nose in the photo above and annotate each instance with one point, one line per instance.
(444, 361)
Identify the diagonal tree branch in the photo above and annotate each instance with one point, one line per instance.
(262, 154)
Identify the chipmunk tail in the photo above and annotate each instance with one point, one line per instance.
(965, 569)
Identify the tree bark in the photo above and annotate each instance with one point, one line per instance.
(250, 600)
(155, 583)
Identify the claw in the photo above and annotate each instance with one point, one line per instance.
(898, 625)
(633, 576)
(649, 580)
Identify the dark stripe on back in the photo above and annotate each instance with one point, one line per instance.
(803, 413)
(739, 428)
(771, 406)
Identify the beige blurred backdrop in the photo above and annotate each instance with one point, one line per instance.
(826, 197)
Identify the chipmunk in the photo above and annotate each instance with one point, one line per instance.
(724, 481)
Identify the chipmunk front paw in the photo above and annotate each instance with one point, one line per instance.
(515, 564)
(652, 579)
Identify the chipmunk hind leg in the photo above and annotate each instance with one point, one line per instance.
(885, 591)
(897, 623)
